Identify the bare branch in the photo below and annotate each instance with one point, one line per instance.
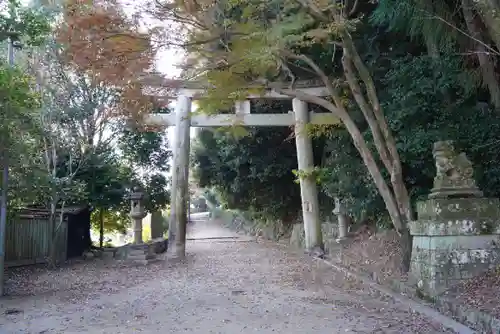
(353, 9)
(463, 32)
(313, 10)
(322, 75)
(357, 93)
(340, 113)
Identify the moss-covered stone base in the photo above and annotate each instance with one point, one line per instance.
(454, 240)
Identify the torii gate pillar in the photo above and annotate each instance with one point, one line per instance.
(180, 174)
(308, 189)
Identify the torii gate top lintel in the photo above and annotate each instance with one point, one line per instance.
(195, 90)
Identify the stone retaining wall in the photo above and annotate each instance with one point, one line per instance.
(237, 222)
(275, 231)
(330, 234)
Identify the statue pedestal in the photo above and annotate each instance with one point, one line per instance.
(461, 188)
(454, 239)
(141, 254)
(454, 192)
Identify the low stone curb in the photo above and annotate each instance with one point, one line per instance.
(464, 315)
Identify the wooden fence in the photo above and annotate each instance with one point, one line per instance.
(28, 241)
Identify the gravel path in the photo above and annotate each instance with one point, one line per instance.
(224, 286)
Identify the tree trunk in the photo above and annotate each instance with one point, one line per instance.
(101, 228)
(3, 214)
(485, 61)
(384, 143)
(406, 240)
(397, 217)
(373, 169)
(53, 259)
(382, 135)
(490, 13)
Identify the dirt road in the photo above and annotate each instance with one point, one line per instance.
(229, 285)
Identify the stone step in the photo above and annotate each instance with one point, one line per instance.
(143, 261)
(137, 252)
(141, 257)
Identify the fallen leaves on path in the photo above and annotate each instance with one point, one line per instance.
(481, 292)
(380, 253)
(77, 279)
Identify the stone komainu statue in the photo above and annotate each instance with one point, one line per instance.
(454, 173)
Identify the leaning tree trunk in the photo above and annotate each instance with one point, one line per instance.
(370, 163)
(483, 53)
(383, 138)
(490, 13)
(384, 141)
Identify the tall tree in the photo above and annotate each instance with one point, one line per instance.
(16, 23)
(100, 40)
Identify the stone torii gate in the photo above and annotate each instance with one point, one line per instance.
(183, 120)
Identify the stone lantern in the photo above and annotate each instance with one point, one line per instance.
(137, 213)
(341, 213)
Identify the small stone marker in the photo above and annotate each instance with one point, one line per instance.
(157, 227)
(340, 212)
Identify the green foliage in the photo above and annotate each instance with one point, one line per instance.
(426, 20)
(252, 173)
(19, 132)
(155, 186)
(17, 101)
(148, 153)
(431, 96)
(107, 179)
(55, 138)
(266, 31)
(345, 176)
(110, 178)
(211, 197)
(15, 90)
(425, 100)
(315, 173)
(145, 149)
(113, 220)
(30, 25)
